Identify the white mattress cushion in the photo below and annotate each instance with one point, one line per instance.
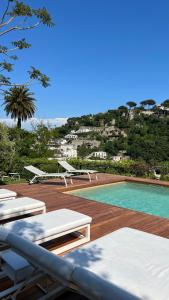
(19, 205)
(4, 193)
(41, 226)
(132, 260)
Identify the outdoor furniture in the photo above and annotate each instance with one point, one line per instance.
(3, 176)
(125, 265)
(15, 176)
(49, 226)
(74, 171)
(157, 174)
(19, 207)
(22, 274)
(40, 175)
(7, 194)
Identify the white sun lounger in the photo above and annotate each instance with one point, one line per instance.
(23, 275)
(19, 207)
(40, 175)
(71, 169)
(49, 226)
(7, 194)
(125, 265)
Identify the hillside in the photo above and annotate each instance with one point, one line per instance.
(140, 134)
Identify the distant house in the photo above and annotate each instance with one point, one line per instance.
(98, 154)
(88, 143)
(163, 108)
(147, 112)
(71, 136)
(61, 141)
(117, 157)
(120, 156)
(67, 151)
(83, 130)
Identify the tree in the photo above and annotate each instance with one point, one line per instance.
(123, 108)
(166, 103)
(42, 142)
(131, 104)
(18, 16)
(19, 103)
(111, 148)
(148, 102)
(84, 151)
(24, 141)
(7, 150)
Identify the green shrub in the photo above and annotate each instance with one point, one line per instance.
(127, 168)
(140, 169)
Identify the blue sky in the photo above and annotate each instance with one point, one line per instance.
(99, 55)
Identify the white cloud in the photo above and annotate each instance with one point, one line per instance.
(53, 122)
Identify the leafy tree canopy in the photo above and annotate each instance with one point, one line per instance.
(148, 102)
(131, 104)
(122, 107)
(18, 16)
(166, 103)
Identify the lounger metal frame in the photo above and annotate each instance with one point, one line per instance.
(82, 238)
(32, 280)
(37, 178)
(74, 171)
(87, 173)
(41, 175)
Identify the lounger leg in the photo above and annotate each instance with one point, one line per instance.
(82, 239)
(33, 179)
(71, 181)
(65, 181)
(96, 176)
(89, 177)
(87, 232)
(44, 210)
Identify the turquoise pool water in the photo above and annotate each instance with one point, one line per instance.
(150, 199)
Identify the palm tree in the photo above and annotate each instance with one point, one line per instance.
(19, 104)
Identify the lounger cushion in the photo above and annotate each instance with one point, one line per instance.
(4, 194)
(52, 223)
(20, 206)
(134, 261)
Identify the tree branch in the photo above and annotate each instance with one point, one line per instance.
(17, 84)
(5, 12)
(7, 22)
(19, 28)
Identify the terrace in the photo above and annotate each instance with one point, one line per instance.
(106, 218)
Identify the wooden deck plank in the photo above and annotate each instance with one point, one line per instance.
(106, 218)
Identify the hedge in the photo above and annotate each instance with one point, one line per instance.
(126, 167)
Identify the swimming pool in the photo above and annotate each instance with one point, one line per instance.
(151, 199)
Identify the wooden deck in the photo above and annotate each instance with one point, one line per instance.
(106, 218)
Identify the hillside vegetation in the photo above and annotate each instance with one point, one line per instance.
(142, 134)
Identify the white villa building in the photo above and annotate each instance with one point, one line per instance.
(68, 151)
(83, 130)
(71, 136)
(98, 154)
